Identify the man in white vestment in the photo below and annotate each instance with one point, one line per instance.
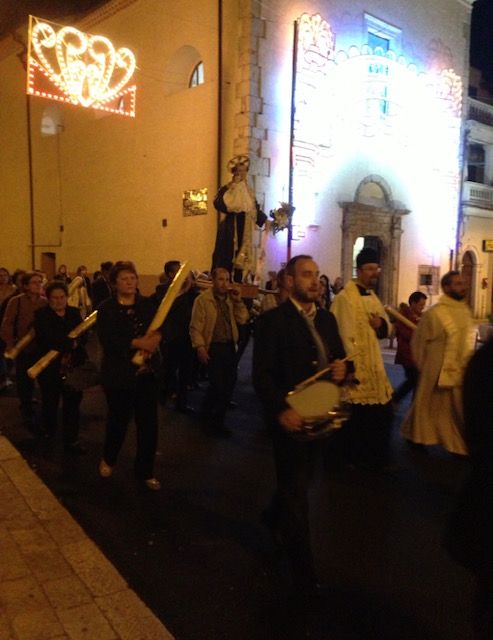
(442, 346)
(362, 323)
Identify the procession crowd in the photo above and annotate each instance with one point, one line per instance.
(308, 341)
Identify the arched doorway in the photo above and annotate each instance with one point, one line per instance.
(374, 217)
(368, 242)
(468, 273)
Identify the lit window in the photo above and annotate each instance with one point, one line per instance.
(197, 76)
(381, 37)
(375, 40)
(382, 34)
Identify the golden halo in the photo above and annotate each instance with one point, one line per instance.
(237, 160)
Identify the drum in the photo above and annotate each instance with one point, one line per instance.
(319, 404)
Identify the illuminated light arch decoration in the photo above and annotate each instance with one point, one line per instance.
(315, 48)
(360, 101)
(67, 65)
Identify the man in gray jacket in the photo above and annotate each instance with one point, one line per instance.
(216, 314)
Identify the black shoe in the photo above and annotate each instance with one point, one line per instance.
(75, 449)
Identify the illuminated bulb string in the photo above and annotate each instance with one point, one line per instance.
(82, 67)
(128, 91)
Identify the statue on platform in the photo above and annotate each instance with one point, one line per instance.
(240, 213)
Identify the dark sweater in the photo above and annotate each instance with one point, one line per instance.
(285, 353)
(117, 326)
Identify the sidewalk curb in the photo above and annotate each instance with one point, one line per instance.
(54, 581)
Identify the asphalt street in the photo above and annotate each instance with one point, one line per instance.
(200, 558)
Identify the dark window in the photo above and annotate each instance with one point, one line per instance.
(475, 163)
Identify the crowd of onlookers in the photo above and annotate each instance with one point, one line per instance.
(86, 293)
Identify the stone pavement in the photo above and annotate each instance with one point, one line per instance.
(197, 553)
(54, 581)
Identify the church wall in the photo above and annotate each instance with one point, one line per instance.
(111, 180)
(14, 178)
(432, 38)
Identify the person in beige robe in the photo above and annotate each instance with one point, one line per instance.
(362, 322)
(442, 346)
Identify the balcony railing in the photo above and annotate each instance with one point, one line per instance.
(479, 111)
(477, 195)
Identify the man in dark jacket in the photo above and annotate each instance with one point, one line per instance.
(292, 343)
(101, 288)
(469, 535)
(171, 268)
(176, 347)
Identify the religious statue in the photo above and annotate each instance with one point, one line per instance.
(239, 214)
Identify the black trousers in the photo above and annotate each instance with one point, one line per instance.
(52, 390)
(288, 514)
(139, 403)
(365, 437)
(178, 361)
(222, 370)
(408, 385)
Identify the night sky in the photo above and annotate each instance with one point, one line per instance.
(482, 38)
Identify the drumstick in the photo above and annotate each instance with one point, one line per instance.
(321, 373)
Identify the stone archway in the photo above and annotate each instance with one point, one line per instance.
(374, 213)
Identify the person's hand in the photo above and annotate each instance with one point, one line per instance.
(235, 293)
(148, 343)
(338, 371)
(203, 355)
(375, 321)
(290, 420)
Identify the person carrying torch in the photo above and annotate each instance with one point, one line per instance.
(130, 389)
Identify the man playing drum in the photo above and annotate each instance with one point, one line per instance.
(293, 342)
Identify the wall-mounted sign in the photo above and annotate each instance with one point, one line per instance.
(195, 202)
(428, 279)
(487, 245)
(68, 65)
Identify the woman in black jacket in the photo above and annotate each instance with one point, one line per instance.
(131, 391)
(52, 324)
